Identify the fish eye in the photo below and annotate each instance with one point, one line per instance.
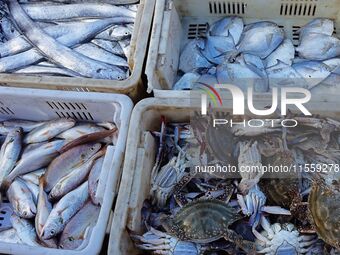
(52, 232)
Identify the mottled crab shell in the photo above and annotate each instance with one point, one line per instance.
(324, 205)
(202, 221)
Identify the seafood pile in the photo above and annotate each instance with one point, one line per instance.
(49, 177)
(261, 212)
(90, 40)
(260, 55)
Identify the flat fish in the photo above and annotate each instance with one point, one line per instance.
(319, 26)
(260, 39)
(284, 53)
(313, 72)
(228, 26)
(218, 48)
(187, 81)
(318, 47)
(192, 58)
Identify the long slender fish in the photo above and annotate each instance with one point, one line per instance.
(45, 12)
(26, 125)
(94, 180)
(80, 130)
(64, 210)
(59, 53)
(9, 153)
(46, 70)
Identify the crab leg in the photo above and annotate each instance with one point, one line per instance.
(275, 210)
(247, 246)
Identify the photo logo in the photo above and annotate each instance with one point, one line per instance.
(238, 98)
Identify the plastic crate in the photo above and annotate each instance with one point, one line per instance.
(41, 105)
(141, 151)
(177, 21)
(133, 86)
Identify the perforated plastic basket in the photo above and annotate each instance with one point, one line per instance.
(132, 86)
(32, 104)
(141, 150)
(177, 21)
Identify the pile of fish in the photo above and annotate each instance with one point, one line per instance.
(50, 174)
(89, 40)
(256, 212)
(260, 55)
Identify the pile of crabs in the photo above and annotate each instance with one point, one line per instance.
(258, 212)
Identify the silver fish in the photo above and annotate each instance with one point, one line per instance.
(8, 29)
(218, 48)
(228, 26)
(20, 44)
(25, 230)
(192, 58)
(94, 179)
(319, 26)
(21, 199)
(34, 176)
(49, 130)
(63, 164)
(79, 227)
(125, 45)
(26, 125)
(242, 76)
(285, 53)
(10, 236)
(64, 210)
(187, 81)
(44, 209)
(9, 153)
(313, 72)
(318, 47)
(116, 33)
(94, 52)
(110, 46)
(334, 65)
(45, 12)
(59, 53)
(46, 70)
(260, 39)
(80, 130)
(284, 75)
(34, 189)
(36, 159)
(76, 176)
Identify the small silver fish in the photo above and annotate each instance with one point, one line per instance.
(79, 227)
(48, 130)
(25, 230)
(80, 130)
(9, 153)
(64, 210)
(26, 125)
(94, 179)
(21, 199)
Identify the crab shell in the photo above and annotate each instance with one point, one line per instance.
(324, 205)
(202, 221)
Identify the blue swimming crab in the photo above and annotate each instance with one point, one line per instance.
(205, 221)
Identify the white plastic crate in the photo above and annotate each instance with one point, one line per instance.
(132, 86)
(141, 151)
(177, 21)
(38, 105)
